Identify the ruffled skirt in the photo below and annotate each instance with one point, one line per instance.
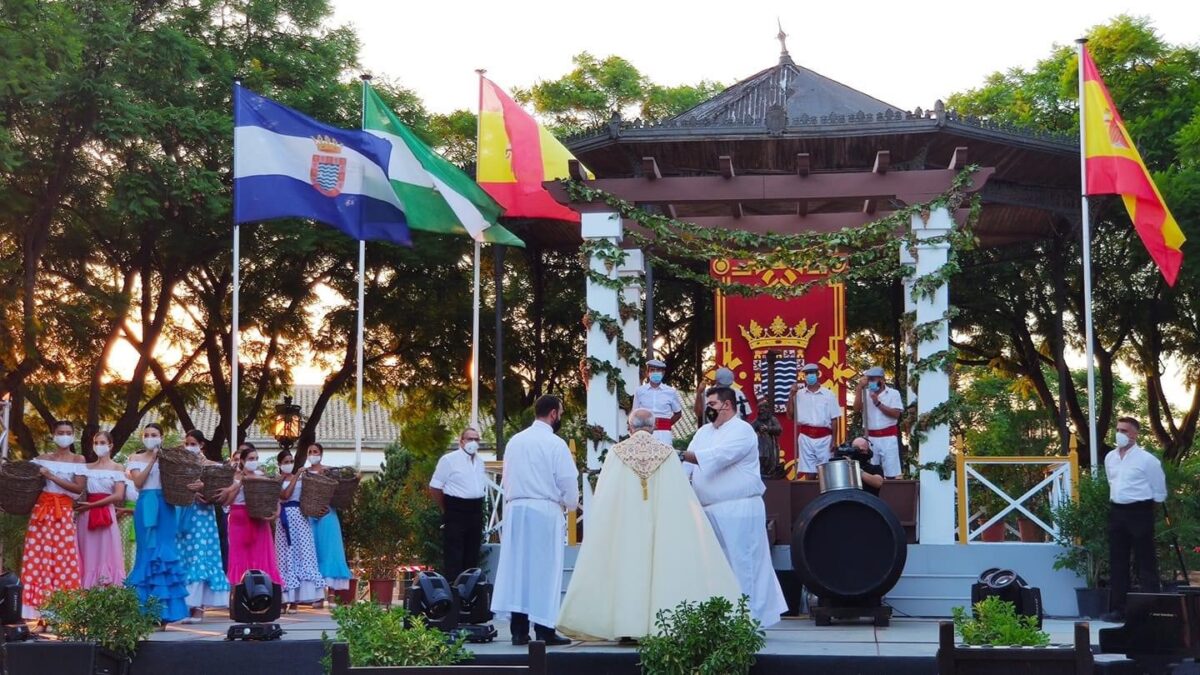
(50, 561)
(157, 569)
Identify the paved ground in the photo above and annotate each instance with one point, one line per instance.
(904, 637)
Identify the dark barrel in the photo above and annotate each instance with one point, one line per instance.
(848, 545)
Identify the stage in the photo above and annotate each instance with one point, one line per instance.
(908, 645)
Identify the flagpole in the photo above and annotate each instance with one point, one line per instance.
(475, 308)
(1093, 444)
(362, 273)
(237, 291)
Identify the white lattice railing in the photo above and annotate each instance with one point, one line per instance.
(1061, 476)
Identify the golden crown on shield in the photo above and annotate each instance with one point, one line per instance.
(778, 334)
(327, 144)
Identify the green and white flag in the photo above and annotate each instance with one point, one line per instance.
(436, 195)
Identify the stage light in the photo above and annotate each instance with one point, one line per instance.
(433, 599)
(474, 597)
(256, 602)
(463, 608)
(1009, 586)
(14, 626)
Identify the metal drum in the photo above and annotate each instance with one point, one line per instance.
(839, 474)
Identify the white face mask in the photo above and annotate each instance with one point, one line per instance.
(314, 460)
(101, 449)
(194, 449)
(1123, 440)
(287, 468)
(251, 465)
(471, 447)
(64, 440)
(152, 442)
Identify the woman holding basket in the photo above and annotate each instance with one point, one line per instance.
(200, 544)
(294, 544)
(157, 570)
(251, 546)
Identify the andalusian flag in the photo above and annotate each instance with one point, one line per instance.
(436, 195)
(1115, 167)
(516, 154)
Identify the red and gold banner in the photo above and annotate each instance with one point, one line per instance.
(807, 329)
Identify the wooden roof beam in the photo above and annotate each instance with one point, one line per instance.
(959, 160)
(869, 205)
(787, 224)
(883, 160)
(803, 164)
(738, 211)
(726, 162)
(802, 208)
(575, 170)
(650, 169)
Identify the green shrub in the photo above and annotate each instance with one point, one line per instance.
(1083, 530)
(996, 623)
(12, 540)
(109, 616)
(707, 638)
(378, 636)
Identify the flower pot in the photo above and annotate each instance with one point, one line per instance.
(955, 659)
(1092, 601)
(1030, 532)
(993, 533)
(382, 591)
(347, 595)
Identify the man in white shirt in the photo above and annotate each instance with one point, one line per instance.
(724, 378)
(727, 482)
(1136, 483)
(880, 406)
(539, 481)
(660, 399)
(458, 486)
(816, 409)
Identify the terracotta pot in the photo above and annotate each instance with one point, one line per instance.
(1030, 532)
(382, 591)
(993, 533)
(348, 595)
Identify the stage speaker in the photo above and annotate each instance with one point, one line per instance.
(1157, 624)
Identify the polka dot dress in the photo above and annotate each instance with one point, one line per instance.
(51, 558)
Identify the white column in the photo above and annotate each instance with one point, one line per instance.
(907, 259)
(937, 496)
(631, 272)
(602, 408)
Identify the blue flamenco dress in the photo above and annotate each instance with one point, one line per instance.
(157, 569)
(331, 551)
(200, 551)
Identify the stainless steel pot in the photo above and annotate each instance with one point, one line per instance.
(839, 474)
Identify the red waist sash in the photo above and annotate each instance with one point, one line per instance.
(815, 432)
(663, 424)
(884, 432)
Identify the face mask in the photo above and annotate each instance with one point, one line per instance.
(286, 468)
(710, 414)
(152, 442)
(1122, 440)
(873, 386)
(656, 377)
(251, 465)
(314, 460)
(101, 450)
(64, 440)
(810, 379)
(471, 447)
(194, 449)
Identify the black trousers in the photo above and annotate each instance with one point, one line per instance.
(1131, 531)
(462, 535)
(519, 627)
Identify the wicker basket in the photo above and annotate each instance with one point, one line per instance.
(347, 485)
(262, 496)
(216, 477)
(21, 484)
(180, 469)
(316, 493)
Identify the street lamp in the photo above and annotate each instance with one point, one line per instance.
(288, 421)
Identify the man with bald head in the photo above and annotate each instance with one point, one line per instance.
(872, 474)
(648, 545)
(723, 378)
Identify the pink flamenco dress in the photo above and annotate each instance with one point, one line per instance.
(50, 561)
(101, 548)
(251, 546)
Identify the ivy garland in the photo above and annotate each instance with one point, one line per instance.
(866, 253)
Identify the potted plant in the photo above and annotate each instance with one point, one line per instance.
(996, 639)
(99, 629)
(376, 538)
(376, 636)
(708, 637)
(1083, 535)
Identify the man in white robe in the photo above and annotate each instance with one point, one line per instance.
(539, 481)
(647, 545)
(727, 481)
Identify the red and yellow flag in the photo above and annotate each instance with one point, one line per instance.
(1115, 167)
(516, 154)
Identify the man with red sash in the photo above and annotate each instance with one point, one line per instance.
(881, 407)
(660, 399)
(816, 410)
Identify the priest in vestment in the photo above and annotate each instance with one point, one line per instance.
(727, 481)
(647, 545)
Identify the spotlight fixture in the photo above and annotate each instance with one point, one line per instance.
(255, 603)
(474, 597)
(14, 626)
(442, 605)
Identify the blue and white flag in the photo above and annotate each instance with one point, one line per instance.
(289, 165)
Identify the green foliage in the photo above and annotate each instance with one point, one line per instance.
(1083, 530)
(109, 616)
(708, 638)
(996, 623)
(394, 522)
(12, 540)
(379, 636)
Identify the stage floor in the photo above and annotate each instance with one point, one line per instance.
(790, 637)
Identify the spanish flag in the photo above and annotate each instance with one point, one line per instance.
(1113, 166)
(516, 154)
